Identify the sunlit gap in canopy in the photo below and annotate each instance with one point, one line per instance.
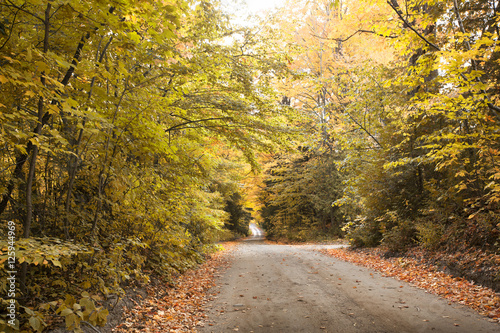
(248, 12)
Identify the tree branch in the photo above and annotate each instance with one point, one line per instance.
(395, 6)
(357, 123)
(25, 11)
(493, 108)
(192, 122)
(353, 34)
(11, 29)
(75, 59)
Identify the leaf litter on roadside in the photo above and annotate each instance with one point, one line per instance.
(425, 276)
(179, 308)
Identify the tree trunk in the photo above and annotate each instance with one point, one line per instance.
(23, 157)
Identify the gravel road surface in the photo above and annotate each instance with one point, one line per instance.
(284, 288)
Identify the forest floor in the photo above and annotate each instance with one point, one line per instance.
(177, 308)
(161, 307)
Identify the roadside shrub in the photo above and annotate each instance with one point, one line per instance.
(363, 233)
(400, 237)
(480, 230)
(429, 234)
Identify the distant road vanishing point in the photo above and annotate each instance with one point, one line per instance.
(256, 231)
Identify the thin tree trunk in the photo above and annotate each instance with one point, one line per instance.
(74, 160)
(34, 155)
(29, 187)
(46, 196)
(102, 181)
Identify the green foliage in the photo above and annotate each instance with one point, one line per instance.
(431, 135)
(413, 125)
(398, 234)
(41, 251)
(239, 216)
(429, 235)
(297, 200)
(361, 233)
(482, 231)
(84, 310)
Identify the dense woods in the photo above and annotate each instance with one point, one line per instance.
(402, 98)
(129, 130)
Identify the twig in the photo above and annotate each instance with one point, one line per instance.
(193, 121)
(353, 34)
(358, 123)
(394, 5)
(91, 326)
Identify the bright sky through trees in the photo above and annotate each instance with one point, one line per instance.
(244, 8)
(262, 5)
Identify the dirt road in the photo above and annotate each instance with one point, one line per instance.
(281, 288)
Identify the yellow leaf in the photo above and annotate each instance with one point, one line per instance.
(53, 109)
(86, 284)
(21, 148)
(36, 324)
(42, 67)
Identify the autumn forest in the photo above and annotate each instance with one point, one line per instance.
(137, 135)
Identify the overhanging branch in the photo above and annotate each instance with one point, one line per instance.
(395, 6)
(188, 121)
(354, 34)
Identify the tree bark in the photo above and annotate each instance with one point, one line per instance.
(38, 130)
